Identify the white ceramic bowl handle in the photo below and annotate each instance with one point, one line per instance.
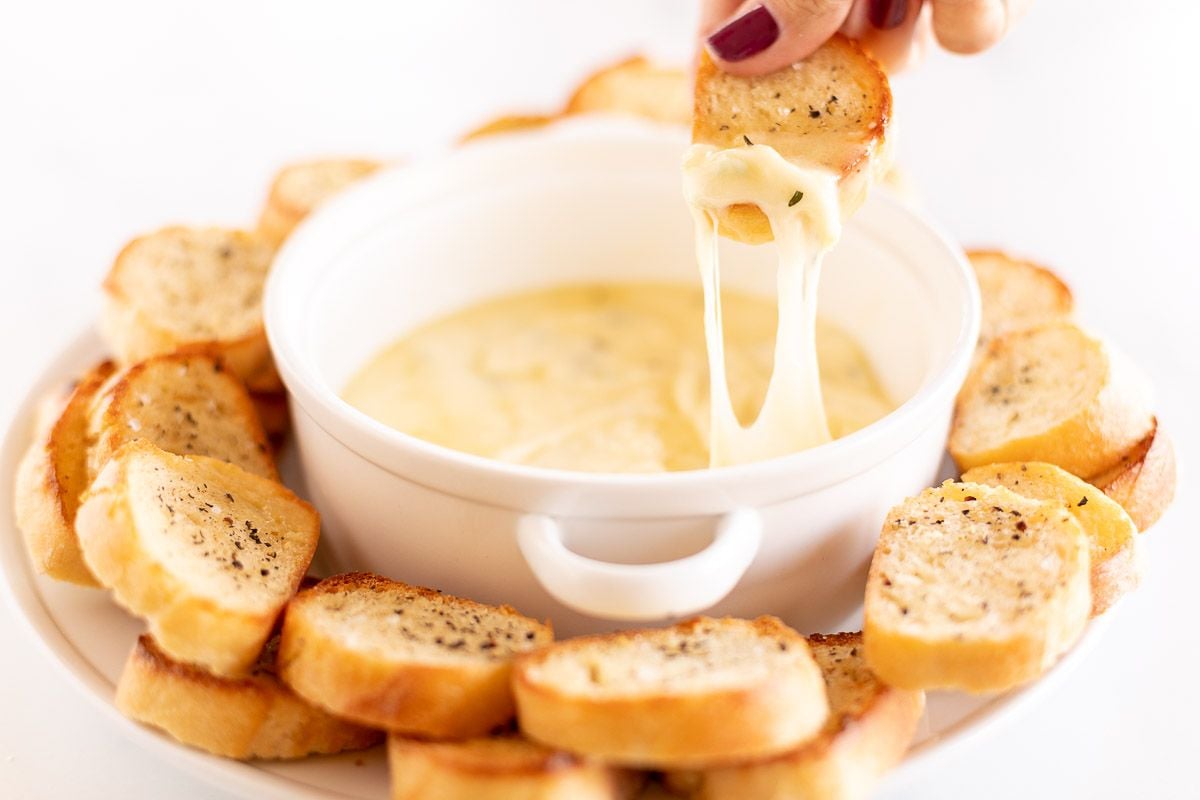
(641, 591)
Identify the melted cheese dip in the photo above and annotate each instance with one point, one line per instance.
(600, 378)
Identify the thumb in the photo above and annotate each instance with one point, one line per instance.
(765, 35)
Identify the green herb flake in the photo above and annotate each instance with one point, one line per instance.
(796, 198)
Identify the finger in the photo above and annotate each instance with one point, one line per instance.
(969, 26)
(714, 13)
(765, 36)
(899, 45)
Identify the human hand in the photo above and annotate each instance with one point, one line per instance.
(750, 37)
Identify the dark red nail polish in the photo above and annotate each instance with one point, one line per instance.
(887, 14)
(748, 35)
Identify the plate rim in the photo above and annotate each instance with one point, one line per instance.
(24, 600)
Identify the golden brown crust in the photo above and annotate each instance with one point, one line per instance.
(1143, 481)
(673, 730)
(368, 683)
(508, 123)
(844, 132)
(50, 479)
(249, 717)
(500, 768)
(273, 414)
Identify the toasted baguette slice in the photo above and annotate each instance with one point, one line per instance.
(830, 110)
(206, 552)
(974, 587)
(509, 123)
(1017, 295)
(869, 728)
(499, 768)
(635, 87)
(191, 288)
(52, 476)
(701, 692)
(1143, 481)
(1051, 394)
(184, 404)
(251, 717)
(1112, 537)
(404, 658)
(299, 188)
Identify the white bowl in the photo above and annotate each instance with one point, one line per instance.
(591, 201)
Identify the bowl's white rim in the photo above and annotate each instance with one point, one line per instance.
(334, 414)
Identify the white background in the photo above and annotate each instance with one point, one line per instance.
(1075, 142)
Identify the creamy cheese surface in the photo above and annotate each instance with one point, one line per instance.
(801, 204)
(604, 378)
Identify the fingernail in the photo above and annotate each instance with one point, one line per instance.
(887, 14)
(748, 35)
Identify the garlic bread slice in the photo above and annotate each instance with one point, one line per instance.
(1051, 393)
(830, 110)
(636, 87)
(52, 476)
(1017, 294)
(403, 658)
(1112, 536)
(975, 588)
(206, 552)
(299, 188)
(702, 692)
(255, 716)
(195, 289)
(184, 404)
(868, 731)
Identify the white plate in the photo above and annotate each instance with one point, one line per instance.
(88, 638)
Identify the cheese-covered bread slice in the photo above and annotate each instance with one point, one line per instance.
(976, 588)
(636, 87)
(830, 110)
(299, 188)
(499, 768)
(1143, 481)
(197, 289)
(255, 716)
(206, 552)
(404, 658)
(702, 692)
(52, 476)
(184, 404)
(1054, 394)
(868, 731)
(1112, 536)
(1017, 294)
